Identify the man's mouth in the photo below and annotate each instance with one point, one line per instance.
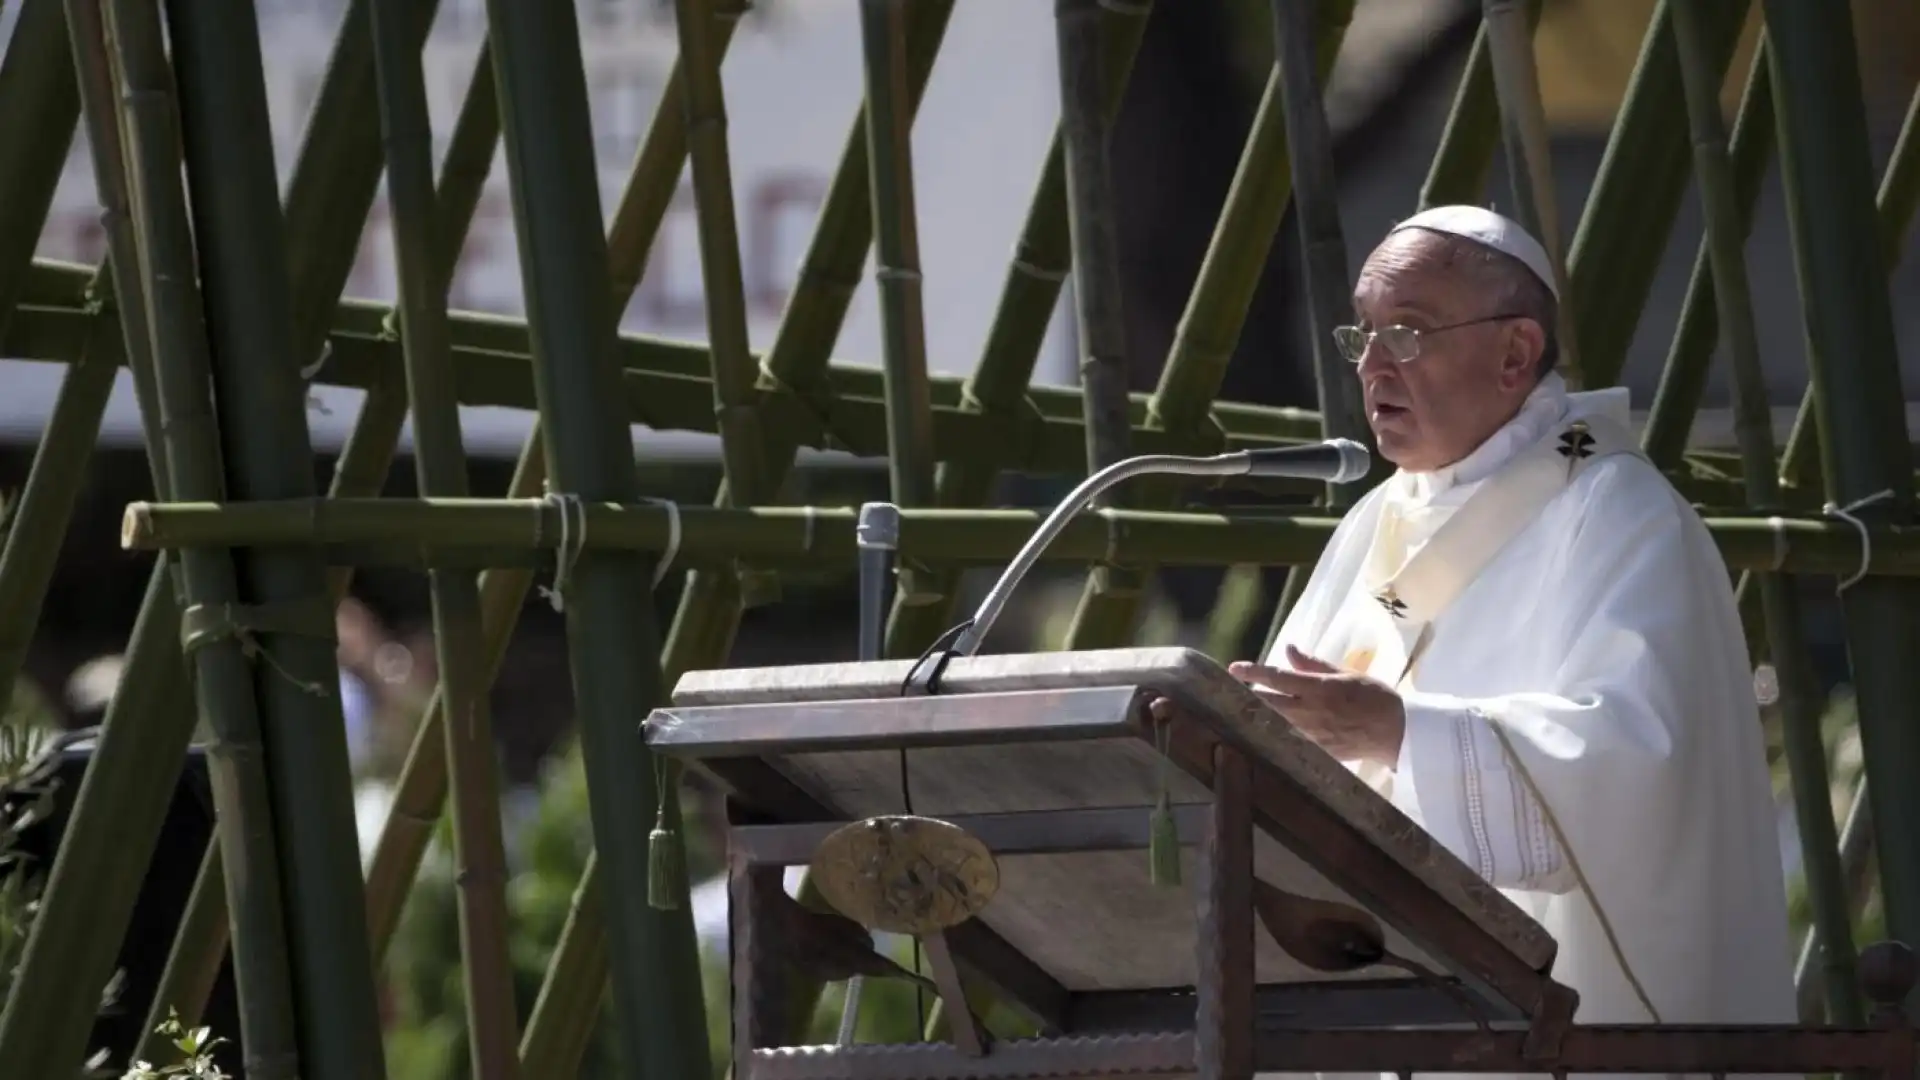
(1384, 411)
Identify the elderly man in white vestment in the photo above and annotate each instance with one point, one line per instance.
(1525, 638)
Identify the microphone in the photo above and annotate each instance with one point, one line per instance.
(1335, 461)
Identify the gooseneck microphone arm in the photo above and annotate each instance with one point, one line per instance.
(1336, 461)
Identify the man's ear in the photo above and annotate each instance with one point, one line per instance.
(1525, 341)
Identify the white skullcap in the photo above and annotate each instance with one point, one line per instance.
(1488, 229)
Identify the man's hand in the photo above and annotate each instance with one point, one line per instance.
(1353, 717)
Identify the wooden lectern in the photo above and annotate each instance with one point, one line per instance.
(1025, 821)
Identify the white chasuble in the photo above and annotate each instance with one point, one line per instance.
(1580, 720)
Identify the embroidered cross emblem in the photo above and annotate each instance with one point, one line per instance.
(1576, 443)
(1395, 606)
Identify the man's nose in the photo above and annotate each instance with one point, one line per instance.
(1375, 360)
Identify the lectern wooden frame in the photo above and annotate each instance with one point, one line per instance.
(1054, 762)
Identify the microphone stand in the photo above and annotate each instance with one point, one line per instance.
(1337, 461)
(877, 536)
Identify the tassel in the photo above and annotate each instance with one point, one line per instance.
(666, 855)
(1163, 836)
(666, 868)
(1163, 844)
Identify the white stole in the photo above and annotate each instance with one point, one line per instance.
(1384, 635)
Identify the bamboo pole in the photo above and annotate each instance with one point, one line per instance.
(889, 117)
(114, 825)
(652, 955)
(361, 470)
(36, 69)
(1899, 193)
(97, 872)
(38, 521)
(1323, 247)
(1838, 257)
(554, 1036)
(1323, 262)
(1109, 600)
(1896, 202)
(795, 372)
(1217, 307)
(396, 531)
(998, 397)
(792, 371)
(1529, 164)
(38, 83)
(575, 983)
(724, 291)
(262, 958)
(337, 174)
(1458, 173)
(441, 470)
(1098, 301)
(1683, 380)
(1800, 696)
(262, 409)
(1629, 212)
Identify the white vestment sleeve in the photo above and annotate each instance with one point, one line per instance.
(1609, 646)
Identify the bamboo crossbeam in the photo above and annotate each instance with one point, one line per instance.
(668, 389)
(416, 532)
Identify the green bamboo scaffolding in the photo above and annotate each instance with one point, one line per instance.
(1838, 257)
(568, 362)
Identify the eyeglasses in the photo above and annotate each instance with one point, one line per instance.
(1401, 342)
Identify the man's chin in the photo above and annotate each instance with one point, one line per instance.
(1394, 437)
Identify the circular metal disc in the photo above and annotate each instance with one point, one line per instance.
(905, 875)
